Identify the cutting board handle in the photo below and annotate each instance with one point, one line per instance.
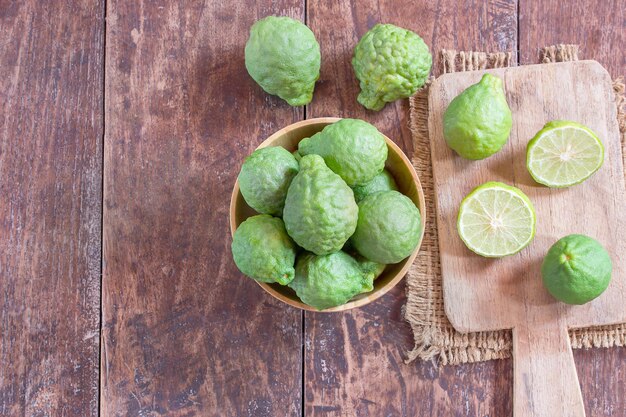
(545, 378)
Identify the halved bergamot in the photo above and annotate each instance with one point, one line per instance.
(564, 153)
(496, 220)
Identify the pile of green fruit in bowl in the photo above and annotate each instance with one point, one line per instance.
(327, 214)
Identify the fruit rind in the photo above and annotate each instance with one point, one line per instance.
(576, 269)
(477, 122)
(283, 57)
(516, 192)
(329, 280)
(389, 227)
(390, 63)
(320, 213)
(263, 251)
(549, 128)
(352, 148)
(265, 177)
(384, 181)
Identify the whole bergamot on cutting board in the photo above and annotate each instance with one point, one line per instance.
(320, 213)
(329, 280)
(263, 251)
(478, 121)
(576, 269)
(265, 177)
(283, 57)
(389, 227)
(390, 63)
(353, 149)
(382, 182)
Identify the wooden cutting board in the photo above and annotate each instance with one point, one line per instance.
(491, 294)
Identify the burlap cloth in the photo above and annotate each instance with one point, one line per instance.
(435, 338)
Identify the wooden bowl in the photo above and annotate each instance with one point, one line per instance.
(397, 164)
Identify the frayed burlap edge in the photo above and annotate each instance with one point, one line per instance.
(435, 338)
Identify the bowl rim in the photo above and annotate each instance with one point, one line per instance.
(408, 261)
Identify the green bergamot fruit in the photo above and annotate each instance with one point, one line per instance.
(353, 149)
(265, 177)
(390, 63)
(478, 121)
(283, 57)
(320, 212)
(263, 251)
(389, 227)
(576, 269)
(381, 182)
(370, 267)
(329, 280)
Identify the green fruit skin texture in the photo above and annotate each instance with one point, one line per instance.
(283, 57)
(390, 63)
(477, 123)
(329, 280)
(381, 182)
(263, 251)
(389, 227)
(353, 149)
(320, 212)
(265, 177)
(576, 269)
(370, 267)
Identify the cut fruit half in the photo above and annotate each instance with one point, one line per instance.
(564, 153)
(496, 220)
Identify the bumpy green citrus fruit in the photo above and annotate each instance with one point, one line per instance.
(353, 149)
(263, 251)
(283, 57)
(478, 121)
(381, 182)
(576, 269)
(370, 267)
(389, 227)
(265, 177)
(329, 280)
(390, 63)
(320, 212)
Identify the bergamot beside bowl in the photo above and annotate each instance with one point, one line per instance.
(408, 183)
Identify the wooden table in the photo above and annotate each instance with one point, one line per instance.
(123, 125)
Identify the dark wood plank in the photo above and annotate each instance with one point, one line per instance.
(599, 29)
(184, 332)
(354, 361)
(50, 206)
(602, 377)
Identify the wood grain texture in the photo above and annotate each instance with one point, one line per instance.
(184, 332)
(599, 29)
(354, 360)
(50, 206)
